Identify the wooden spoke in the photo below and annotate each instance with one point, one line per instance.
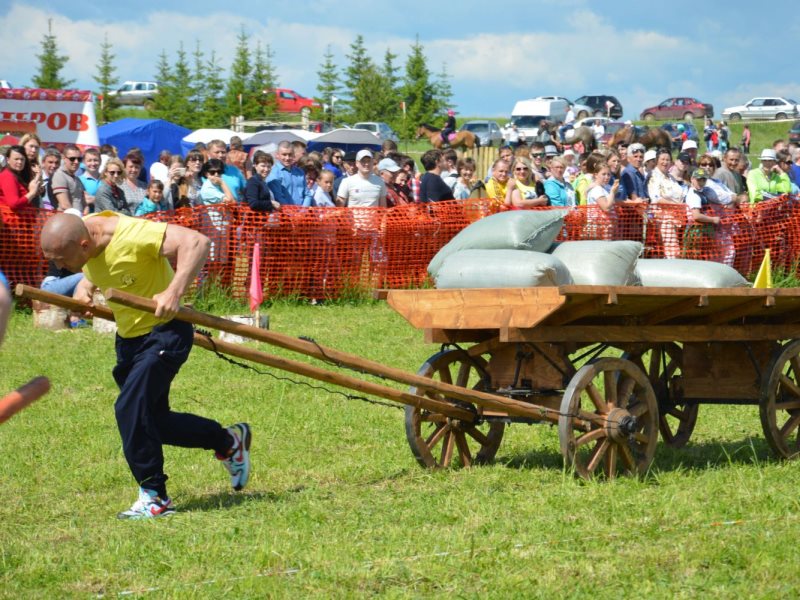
(790, 426)
(463, 448)
(779, 405)
(604, 443)
(610, 379)
(790, 385)
(592, 436)
(597, 455)
(627, 458)
(478, 436)
(611, 461)
(425, 431)
(596, 398)
(436, 436)
(447, 449)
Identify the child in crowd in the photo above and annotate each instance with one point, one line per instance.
(466, 176)
(324, 189)
(153, 201)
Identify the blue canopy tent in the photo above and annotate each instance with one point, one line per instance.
(150, 135)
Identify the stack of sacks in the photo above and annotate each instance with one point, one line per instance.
(503, 250)
(515, 249)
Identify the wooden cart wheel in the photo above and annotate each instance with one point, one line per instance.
(609, 419)
(779, 404)
(436, 440)
(676, 420)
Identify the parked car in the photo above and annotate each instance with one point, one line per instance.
(382, 130)
(289, 101)
(136, 93)
(488, 132)
(794, 133)
(678, 108)
(677, 130)
(597, 106)
(763, 108)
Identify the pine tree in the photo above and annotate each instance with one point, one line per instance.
(392, 113)
(359, 63)
(50, 64)
(417, 90)
(443, 91)
(270, 105)
(198, 77)
(328, 84)
(164, 103)
(183, 111)
(372, 98)
(214, 113)
(258, 82)
(107, 81)
(239, 99)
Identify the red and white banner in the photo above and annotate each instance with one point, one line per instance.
(60, 116)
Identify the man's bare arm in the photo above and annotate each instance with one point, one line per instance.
(189, 249)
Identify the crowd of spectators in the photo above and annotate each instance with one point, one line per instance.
(709, 186)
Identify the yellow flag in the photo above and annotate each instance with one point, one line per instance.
(764, 276)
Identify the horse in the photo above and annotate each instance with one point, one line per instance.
(579, 136)
(650, 137)
(463, 139)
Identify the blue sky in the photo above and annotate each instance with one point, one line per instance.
(720, 52)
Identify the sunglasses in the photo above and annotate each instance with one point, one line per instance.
(73, 158)
(214, 172)
(193, 158)
(114, 173)
(537, 154)
(521, 169)
(706, 165)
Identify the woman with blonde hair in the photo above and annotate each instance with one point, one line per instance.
(524, 191)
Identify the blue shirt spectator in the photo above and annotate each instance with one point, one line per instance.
(288, 182)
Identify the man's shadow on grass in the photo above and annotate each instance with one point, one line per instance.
(226, 500)
(706, 455)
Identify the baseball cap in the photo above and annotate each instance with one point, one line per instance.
(636, 147)
(700, 174)
(650, 155)
(387, 164)
(689, 145)
(363, 154)
(569, 152)
(685, 157)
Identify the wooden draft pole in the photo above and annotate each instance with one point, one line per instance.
(484, 399)
(263, 358)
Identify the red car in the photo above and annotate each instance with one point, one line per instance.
(289, 101)
(678, 108)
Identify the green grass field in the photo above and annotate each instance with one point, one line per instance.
(337, 506)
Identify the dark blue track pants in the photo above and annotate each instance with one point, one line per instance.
(146, 366)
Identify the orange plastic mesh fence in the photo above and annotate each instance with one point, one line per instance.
(332, 252)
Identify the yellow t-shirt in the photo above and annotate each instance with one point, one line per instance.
(132, 262)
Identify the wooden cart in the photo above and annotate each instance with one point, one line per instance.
(611, 366)
(616, 365)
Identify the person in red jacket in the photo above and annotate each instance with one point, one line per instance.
(13, 192)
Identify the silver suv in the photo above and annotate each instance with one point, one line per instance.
(136, 93)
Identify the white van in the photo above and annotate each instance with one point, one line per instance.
(527, 115)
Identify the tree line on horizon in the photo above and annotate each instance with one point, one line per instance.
(194, 93)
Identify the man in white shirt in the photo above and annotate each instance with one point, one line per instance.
(364, 188)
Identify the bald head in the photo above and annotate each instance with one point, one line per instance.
(65, 240)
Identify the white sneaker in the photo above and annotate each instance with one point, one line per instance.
(148, 506)
(238, 463)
